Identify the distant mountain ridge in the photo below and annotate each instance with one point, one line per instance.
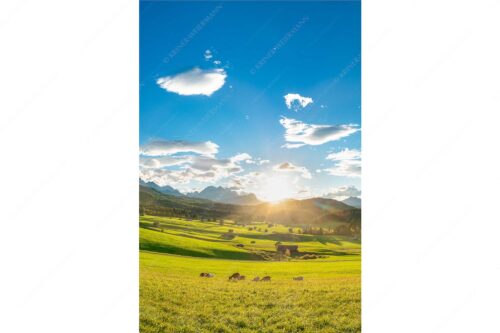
(162, 189)
(315, 211)
(353, 201)
(225, 195)
(216, 194)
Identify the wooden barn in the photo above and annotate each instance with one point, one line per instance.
(294, 249)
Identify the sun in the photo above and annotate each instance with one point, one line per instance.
(276, 188)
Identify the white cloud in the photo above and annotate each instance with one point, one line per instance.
(346, 154)
(242, 157)
(163, 161)
(348, 163)
(244, 181)
(343, 192)
(249, 160)
(289, 167)
(164, 177)
(299, 133)
(293, 145)
(159, 164)
(194, 82)
(165, 147)
(296, 101)
(221, 167)
(200, 168)
(185, 164)
(346, 168)
(208, 55)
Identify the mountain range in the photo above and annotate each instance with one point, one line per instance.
(315, 211)
(162, 189)
(353, 201)
(226, 195)
(217, 194)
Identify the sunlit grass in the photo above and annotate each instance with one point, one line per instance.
(173, 298)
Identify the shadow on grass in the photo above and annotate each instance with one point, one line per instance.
(213, 253)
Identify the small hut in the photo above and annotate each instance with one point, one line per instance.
(294, 249)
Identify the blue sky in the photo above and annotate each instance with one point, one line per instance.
(213, 77)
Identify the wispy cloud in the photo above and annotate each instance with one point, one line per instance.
(293, 145)
(295, 101)
(194, 82)
(162, 161)
(298, 133)
(289, 167)
(208, 55)
(180, 162)
(243, 182)
(167, 147)
(346, 168)
(346, 154)
(242, 157)
(190, 168)
(343, 192)
(348, 163)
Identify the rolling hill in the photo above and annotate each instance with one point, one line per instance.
(315, 211)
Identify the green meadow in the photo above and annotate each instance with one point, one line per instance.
(174, 298)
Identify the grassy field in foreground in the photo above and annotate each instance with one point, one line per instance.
(173, 298)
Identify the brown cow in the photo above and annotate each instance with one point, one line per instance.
(241, 277)
(203, 274)
(256, 279)
(266, 278)
(298, 278)
(235, 276)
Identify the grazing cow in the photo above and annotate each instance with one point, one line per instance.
(298, 278)
(235, 276)
(266, 278)
(256, 279)
(209, 275)
(241, 277)
(203, 274)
